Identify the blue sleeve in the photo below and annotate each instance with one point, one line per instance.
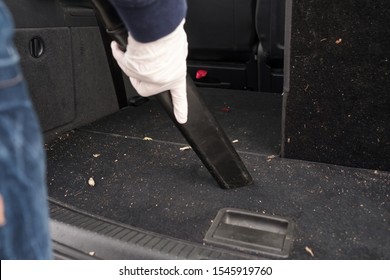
(149, 20)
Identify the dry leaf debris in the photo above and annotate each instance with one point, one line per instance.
(271, 157)
(91, 182)
(309, 250)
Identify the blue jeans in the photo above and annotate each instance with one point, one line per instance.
(25, 234)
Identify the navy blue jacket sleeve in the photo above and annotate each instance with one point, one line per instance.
(149, 20)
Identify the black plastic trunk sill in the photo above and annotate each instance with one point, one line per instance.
(64, 252)
(251, 232)
(79, 235)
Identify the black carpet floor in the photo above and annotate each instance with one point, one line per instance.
(340, 212)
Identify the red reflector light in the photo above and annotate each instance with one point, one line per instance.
(201, 74)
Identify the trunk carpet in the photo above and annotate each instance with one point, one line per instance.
(340, 212)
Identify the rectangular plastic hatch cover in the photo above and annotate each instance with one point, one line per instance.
(251, 232)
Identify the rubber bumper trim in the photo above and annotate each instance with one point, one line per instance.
(95, 237)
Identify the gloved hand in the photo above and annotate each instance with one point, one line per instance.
(158, 66)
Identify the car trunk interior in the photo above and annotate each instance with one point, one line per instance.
(131, 165)
(156, 186)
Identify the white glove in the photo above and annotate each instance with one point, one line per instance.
(158, 66)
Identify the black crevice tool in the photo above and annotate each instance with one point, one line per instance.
(201, 131)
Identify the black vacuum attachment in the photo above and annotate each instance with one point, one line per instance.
(201, 131)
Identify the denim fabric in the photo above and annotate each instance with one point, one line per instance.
(25, 234)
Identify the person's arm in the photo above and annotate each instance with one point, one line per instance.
(155, 57)
(150, 20)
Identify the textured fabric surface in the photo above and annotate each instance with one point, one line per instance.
(24, 234)
(338, 105)
(340, 212)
